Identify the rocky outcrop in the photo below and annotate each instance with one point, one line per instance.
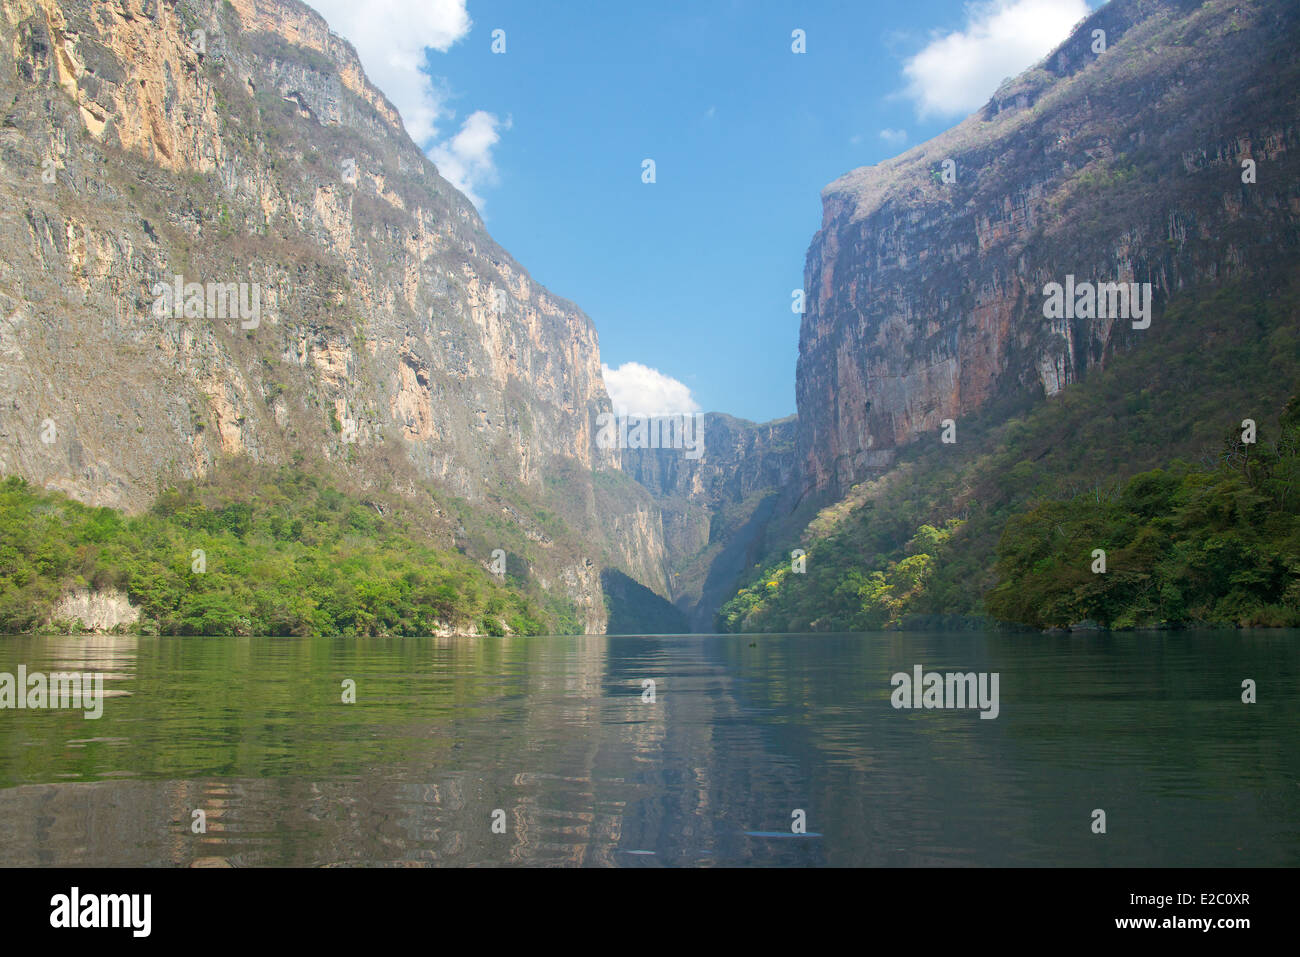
(1119, 158)
(98, 611)
(349, 307)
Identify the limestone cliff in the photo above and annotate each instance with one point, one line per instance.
(1119, 158)
(362, 314)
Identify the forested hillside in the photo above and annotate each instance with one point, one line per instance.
(920, 546)
(257, 552)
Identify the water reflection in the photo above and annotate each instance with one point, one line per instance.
(742, 733)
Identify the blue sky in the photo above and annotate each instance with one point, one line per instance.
(688, 279)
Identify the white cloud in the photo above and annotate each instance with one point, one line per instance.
(639, 390)
(894, 137)
(957, 72)
(391, 37)
(465, 160)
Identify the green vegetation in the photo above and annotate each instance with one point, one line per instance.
(862, 599)
(919, 547)
(1219, 546)
(1102, 176)
(283, 554)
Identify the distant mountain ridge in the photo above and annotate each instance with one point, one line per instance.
(716, 508)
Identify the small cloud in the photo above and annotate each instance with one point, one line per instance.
(711, 112)
(465, 160)
(894, 137)
(391, 37)
(957, 72)
(636, 389)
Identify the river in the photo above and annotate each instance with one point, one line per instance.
(745, 750)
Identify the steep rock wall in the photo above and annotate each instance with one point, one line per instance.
(1121, 164)
(393, 338)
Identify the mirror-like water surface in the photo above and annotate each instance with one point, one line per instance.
(555, 734)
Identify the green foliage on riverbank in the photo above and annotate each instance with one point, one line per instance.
(1216, 546)
(1206, 363)
(285, 555)
(861, 599)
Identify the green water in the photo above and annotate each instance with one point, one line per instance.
(743, 732)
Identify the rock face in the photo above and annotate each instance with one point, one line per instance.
(715, 507)
(97, 611)
(1119, 158)
(239, 146)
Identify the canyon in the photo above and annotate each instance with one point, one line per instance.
(399, 349)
